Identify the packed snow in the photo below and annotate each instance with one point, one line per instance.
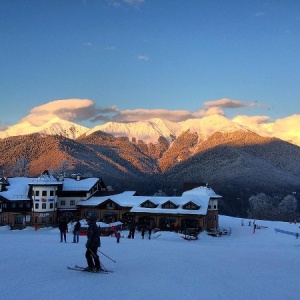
(243, 265)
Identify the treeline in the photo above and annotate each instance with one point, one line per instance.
(277, 208)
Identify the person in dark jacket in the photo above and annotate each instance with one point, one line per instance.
(63, 226)
(76, 231)
(92, 244)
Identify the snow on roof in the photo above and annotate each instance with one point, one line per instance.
(123, 199)
(202, 190)
(70, 184)
(200, 196)
(17, 189)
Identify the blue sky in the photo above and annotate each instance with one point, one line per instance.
(132, 59)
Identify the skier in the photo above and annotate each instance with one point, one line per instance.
(63, 226)
(76, 231)
(92, 244)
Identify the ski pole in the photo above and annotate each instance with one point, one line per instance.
(107, 256)
(103, 267)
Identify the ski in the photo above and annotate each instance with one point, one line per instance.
(82, 269)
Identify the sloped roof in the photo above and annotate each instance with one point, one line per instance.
(70, 184)
(18, 187)
(200, 196)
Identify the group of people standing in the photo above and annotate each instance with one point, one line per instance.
(63, 229)
(143, 231)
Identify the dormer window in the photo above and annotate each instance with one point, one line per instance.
(110, 205)
(191, 206)
(169, 204)
(148, 204)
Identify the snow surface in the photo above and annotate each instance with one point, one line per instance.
(244, 265)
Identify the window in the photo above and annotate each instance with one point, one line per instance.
(28, 205)
(191, 206)
(51, 205)
(4, 205)
(209, 206)
(215, 206)
(19, 220)
(37, 193)
(63, 202)
(44, 193)
(13, 205)
(169, 204)
(20, 205)
(148, 204)
(3, 219)
(43, 205)
(51, 193)
(110, 205)
(36, 206)
(72, 202)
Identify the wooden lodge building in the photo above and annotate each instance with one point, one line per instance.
(43, 200)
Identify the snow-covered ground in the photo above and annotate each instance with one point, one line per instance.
(245, 265)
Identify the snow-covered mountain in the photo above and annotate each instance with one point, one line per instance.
(148, 131)
(55, 126)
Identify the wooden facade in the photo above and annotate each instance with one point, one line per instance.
(42, 201)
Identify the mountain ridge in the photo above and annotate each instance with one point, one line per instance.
(148, 130)
(235, 161)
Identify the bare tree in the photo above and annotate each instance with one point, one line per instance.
(21, 167)
(287, 208)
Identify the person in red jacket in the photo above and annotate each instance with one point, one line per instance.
(118, 236)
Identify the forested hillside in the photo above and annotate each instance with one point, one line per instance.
(236, 165)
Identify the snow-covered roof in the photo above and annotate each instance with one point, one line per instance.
(70, 184)
(18, 187)
(199, 196)
(126, 199)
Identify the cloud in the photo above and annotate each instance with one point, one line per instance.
(143, 57)
(134, 2)
(225, 103)
(88, 44)
(287, 129)
(119, 3)
(259, 14)
(4, 126)
(110, 48)
(77, 110)
(67, 109)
